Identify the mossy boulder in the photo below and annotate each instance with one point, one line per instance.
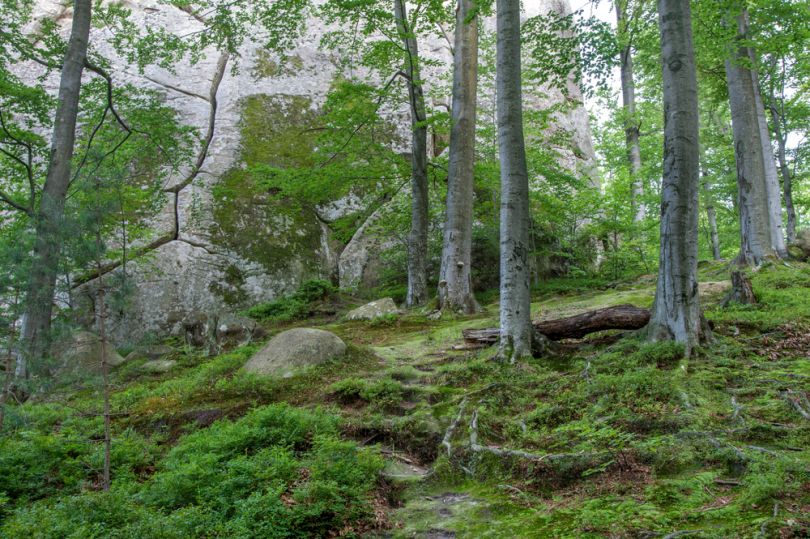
(294, 349)
(375, 309)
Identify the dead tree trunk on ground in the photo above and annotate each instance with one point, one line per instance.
(625, 317)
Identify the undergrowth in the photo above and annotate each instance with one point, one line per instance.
(608, 438)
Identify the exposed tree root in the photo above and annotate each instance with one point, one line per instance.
(763, 529)
(737, 415)
(501, 452)
(798, 401)
(448, 435)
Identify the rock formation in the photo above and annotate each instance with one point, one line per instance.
(221, 245)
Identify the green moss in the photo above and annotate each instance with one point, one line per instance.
(231, 288)
(266, 66)
(275, 233)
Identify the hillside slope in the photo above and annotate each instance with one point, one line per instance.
(413, 435)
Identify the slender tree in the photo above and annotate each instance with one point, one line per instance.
(418, 237)
(779, 131)
(455, 280)
(676, 308)
(516, 325)
(711, 214)
(39, 300)
(631, 124)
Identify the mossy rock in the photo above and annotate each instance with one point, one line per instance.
(293, 350)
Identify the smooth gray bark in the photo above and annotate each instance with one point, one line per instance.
(676, 308)
(47, 247)
(787, 178)
(418, 236)
(631, 128)
(515, 302)
(455, 279)
(777, 231)
(755, 235)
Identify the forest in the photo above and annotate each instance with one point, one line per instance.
(404, 268)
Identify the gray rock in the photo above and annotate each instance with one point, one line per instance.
(158, 366)
(292, 350)
(220, 260)
(198, 329)
(233, 331)
(81, 350)
(375, 309)
(219, 332)
(359, 262)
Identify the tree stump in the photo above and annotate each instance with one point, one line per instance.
(741, 290)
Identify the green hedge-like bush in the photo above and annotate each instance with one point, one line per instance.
(295, 306)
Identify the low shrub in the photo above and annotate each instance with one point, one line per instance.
(295, 306)
(279, 471)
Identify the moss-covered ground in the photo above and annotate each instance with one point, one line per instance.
(415, 435)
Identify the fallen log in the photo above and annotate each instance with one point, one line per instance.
(573, 327)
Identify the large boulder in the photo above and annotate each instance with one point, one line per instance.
(375, 309)
(294, 349)
(81, 350)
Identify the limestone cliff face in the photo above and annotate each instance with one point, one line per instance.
(235, 246)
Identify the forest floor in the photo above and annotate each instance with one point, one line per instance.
(608, 437)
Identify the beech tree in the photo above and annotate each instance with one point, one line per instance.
(755, 242)
(517, 333)
(455, 280)
(761, 233)
(676, 308)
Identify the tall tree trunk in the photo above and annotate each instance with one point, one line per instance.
(516, 325)
(631, 130)
(42, 283)
(777, 231)
(787, 179)
(418, 237)
(676, 309)
(455, 279)
(755, 236)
